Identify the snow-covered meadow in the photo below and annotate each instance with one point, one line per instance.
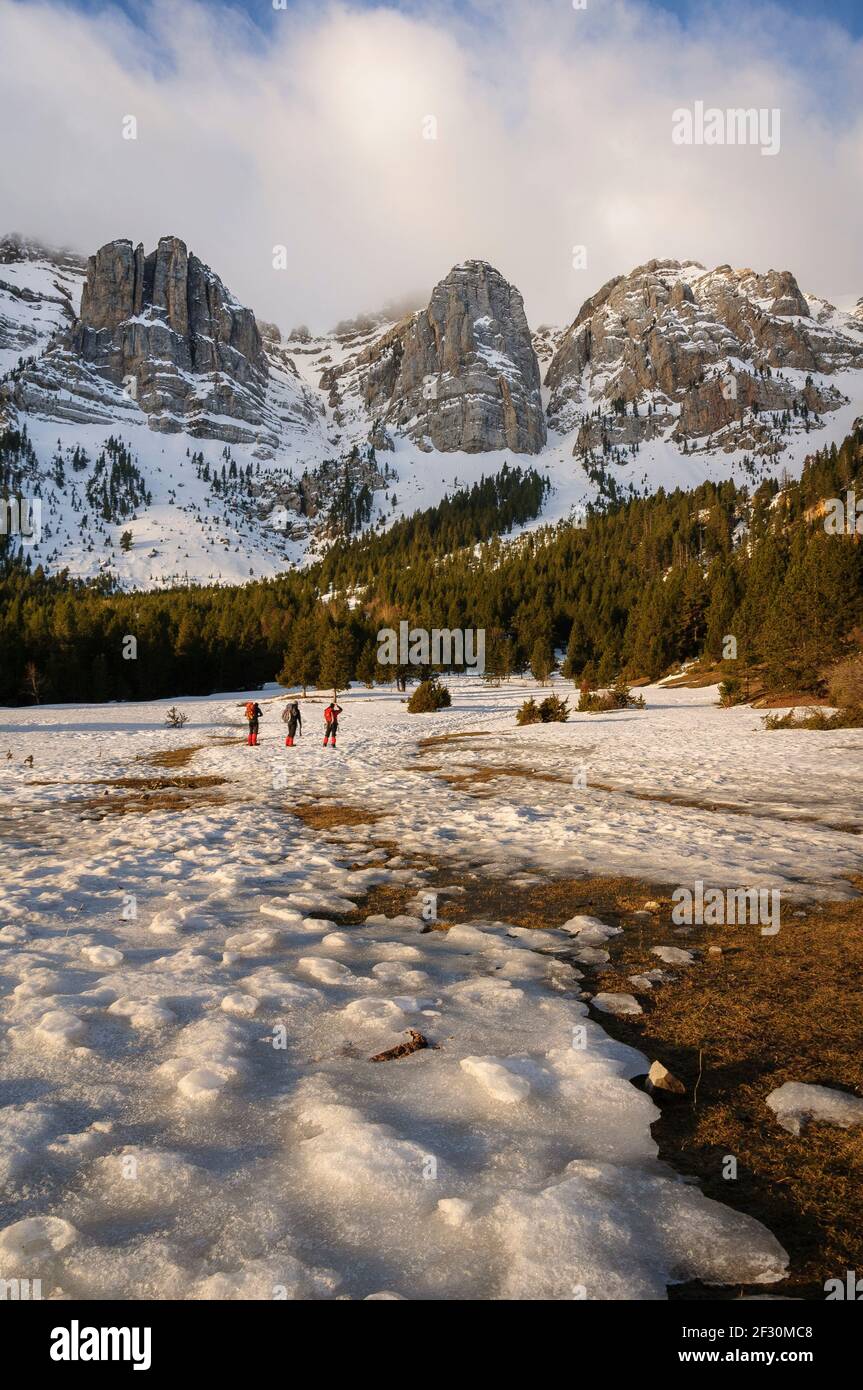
(187, 1106)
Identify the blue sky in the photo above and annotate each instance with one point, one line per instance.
(847, 13)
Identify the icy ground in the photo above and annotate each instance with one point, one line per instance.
(156, 1141)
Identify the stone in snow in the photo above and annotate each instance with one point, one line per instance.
(659, 1078)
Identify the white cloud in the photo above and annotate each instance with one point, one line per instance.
(553, 130)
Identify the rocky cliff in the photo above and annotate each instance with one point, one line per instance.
(673, 347)
(169, 337)
(460, 374)
(166, 328)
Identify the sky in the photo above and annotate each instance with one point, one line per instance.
(326, 158)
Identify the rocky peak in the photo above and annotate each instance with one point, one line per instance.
(160, 333)
(130, 299)
(461, 374)
(672, 336)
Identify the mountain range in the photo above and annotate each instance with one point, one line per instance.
(172, 436)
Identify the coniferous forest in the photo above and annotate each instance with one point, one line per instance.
(636, 589)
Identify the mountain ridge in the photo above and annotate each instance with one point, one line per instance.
(266, 446)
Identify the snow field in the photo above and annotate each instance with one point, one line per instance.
(187, 1105)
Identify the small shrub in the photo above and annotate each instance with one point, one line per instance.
(175, 719)
(846, 683)
(623, 696)
(731, 692)
(552, 710)
(429, 696)
(816, 719)
(619, 696)
(528, 713)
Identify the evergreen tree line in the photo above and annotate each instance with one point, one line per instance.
(640, 587)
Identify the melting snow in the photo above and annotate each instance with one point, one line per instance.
(190, 1110)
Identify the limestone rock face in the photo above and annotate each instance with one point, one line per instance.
(160, 333)
(461, 374)
(155, 323)
(675, 349)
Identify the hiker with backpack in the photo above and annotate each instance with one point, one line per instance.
(331, 720)
(253, 714)
(294, 720)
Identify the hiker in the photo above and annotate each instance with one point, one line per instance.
(253, 714)
(294, 720)
(331, 718)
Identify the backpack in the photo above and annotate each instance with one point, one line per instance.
(250, 709)
(329, 714)
(286, 714)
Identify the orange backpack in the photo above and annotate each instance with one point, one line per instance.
(250, 709)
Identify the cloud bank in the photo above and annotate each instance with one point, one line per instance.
(380, 146)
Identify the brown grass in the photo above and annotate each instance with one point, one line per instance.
(789, 697)
(434, 739)
(757, 696)
(143, 801)
(768, 1010)
(329, 816)
(171, 757)
(153, 784)
(465, 781)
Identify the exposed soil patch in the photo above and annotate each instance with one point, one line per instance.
(434, 740)
(319, 815)
(768, 1010)
(172, 757)
(466, 781)
(389, 899)
(154, 784)
(150, 794)
(544, 905)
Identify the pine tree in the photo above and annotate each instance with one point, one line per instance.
(301, 665)
(542, 661)
(337, 659)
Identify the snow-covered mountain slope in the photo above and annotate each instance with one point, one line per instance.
(40, 294)
(155, 404)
